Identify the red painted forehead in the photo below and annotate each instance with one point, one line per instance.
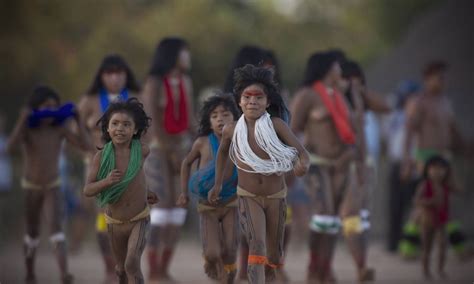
(254, 93)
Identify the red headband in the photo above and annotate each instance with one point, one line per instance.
(253, 93)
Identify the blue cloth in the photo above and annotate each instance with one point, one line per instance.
(104, 98)
(59, 115)
(202, 181)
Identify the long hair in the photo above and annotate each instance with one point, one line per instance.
(113, 62)
(166, 55)
(247, 54)
(351, 69)
(249, 75)
(318, 66)
(272, 60)
(225, 100)
(40, 95)
(134, 108)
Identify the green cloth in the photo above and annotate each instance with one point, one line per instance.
(107, 164)
(424, 155)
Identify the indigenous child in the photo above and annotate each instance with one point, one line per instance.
(41, 128)
(432, 210)
(219, 222)
(117, 179)
(113, 81)
(168, 96)
(254, 146)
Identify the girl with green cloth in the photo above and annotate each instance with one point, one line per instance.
(117, 179)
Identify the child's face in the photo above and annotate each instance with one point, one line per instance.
(253, 101)
(121, 128)
(220, 116)
(437, 172)
(114, 80)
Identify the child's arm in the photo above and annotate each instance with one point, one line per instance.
(287, 136)
(151, 197)
(93, 186)
(188, 161)
(18, 133)
(420, 200)
(221, 162)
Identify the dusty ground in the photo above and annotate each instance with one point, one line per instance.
(187, 266)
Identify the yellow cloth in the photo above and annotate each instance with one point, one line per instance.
(25, 184)
(100, 224)
(145, 213)
(228, 268)
(352, 225)
(319, 161)
(277, 195)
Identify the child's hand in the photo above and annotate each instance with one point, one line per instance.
(183, 200)
(114, 177)
(301, 167)
(152, 198)
(213, 195)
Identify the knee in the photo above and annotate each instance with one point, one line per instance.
(211, 254)
(132, 265)
(257, 246)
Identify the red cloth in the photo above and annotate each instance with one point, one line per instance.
(339, 112)
(173, 124)
(440, 213)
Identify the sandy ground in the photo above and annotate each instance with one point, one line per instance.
(187, 266)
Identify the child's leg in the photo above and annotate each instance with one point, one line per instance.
(230, 236)
(244, 255)
(104, 245)
(33, 204)
(211, 244)
(275, 213)
(119, 235)
(427, 237)
(252, 222)
(54, 211)
(443, 243)
(135, 247)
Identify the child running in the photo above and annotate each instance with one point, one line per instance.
(219, 222)
(432, 211)
(117, 179)
(263, 148)
(42, 127)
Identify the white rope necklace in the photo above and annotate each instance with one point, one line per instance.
(281, 156)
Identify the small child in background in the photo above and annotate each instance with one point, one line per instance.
(432, 211)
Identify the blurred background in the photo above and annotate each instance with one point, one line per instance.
(61, 43)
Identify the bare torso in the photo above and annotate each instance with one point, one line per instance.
(41, 149)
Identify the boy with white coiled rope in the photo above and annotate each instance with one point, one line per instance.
(262, 147)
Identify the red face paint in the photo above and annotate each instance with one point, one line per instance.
(253, 93)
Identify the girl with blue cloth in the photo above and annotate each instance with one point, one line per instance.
(219, 222)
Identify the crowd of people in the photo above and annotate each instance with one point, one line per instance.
(252, 156)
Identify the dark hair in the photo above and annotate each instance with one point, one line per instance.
(249, 75)
(404, 91)
(271, 59)
(225, 100)
(351, 69)
(113, 62)
(134, 108)
(318, 66)
(339, 54)
(166, 55)
(439, 161)
(40, 95)
(434, 67)
(247, 54)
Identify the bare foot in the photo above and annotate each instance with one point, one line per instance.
(366, 275)
(443, 275)
(68, 279)
(210, 268)
(30, 279)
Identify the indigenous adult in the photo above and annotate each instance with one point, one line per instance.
(114, 80)
(168, 100)
(322, 114)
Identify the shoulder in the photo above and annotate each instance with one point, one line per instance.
(304, 93)
(200, 141)
(145, 150)
(86, 101)
(277, 122)
(97, 157)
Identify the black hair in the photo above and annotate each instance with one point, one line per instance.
(113, 62)
(166, 55)
(339, 54)
(40, 95)
(439, 161)
(225, 100)
(247, 54)
(318, 66)
(249, 75)
(134, 108)
(351, 69)
(434, 67)
(271, 59)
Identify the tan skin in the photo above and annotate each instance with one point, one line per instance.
(429, 230)
(121, 129)
(431, 121)
(201, 151)
(253, 107)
